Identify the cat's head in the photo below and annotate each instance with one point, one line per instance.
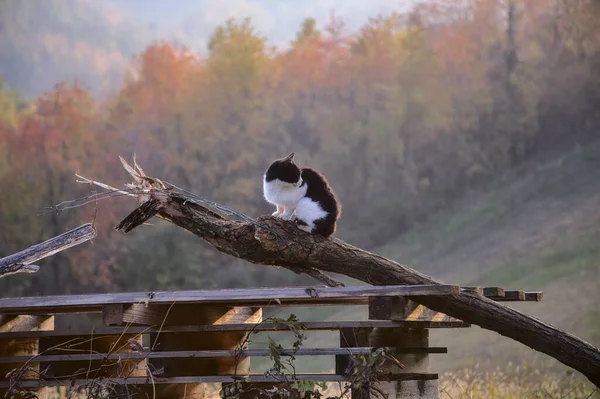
(284, 169)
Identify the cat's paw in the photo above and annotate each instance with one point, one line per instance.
(276, 213)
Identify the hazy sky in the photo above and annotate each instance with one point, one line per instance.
(279, 20)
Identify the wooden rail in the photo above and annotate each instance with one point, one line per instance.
(173, 343)
(263, 327)
(212, 353)
(257, 378)
(263, 297)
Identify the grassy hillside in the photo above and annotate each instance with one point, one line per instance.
(540, 231)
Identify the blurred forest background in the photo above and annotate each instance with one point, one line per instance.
(462, 138)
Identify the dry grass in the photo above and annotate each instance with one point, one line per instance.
(514, 382)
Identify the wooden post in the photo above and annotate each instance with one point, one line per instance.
(382, 308)
(23, 346)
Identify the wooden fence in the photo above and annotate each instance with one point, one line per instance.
(172, 344)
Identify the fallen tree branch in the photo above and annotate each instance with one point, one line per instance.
(21, 262)
(152, 208)
(297, 249)
(272, 241)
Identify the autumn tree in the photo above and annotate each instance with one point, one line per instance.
(58, 138)
(11, 107)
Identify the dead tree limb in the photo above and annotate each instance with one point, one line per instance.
(21, 262)
(281, 243)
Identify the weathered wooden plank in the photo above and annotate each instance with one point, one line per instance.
(25, 323)
(312, 325)
(212, 379)
(475, 290)
(534, 296)
(485, 291)
(510, 296)
(501, 295)
(211, 353)
(493, 291)
(246, 297)
(22, 261)
(185, 314)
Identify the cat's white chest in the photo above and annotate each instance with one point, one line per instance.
(281, 193)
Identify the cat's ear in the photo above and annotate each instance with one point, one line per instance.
(289, 157)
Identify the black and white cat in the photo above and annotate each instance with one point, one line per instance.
(302, 195)
(283, 186)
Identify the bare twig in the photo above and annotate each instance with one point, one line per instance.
(141, 188)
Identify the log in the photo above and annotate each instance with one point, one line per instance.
(21, 262)
(272, 241)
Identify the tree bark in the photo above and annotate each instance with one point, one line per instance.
(21, 262)
(275, 242)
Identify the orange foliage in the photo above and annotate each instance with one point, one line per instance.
(160, 77)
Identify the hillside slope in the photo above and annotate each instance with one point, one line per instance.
(539, 231)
